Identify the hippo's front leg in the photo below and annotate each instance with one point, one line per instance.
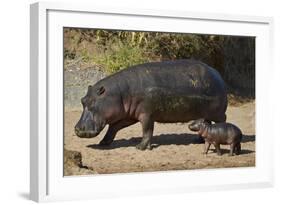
(207, 146)
(201, 139)
(113, 129)
(147, 132)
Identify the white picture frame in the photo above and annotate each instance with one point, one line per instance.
(46, 86)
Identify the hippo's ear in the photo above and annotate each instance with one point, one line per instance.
(207, 121)
(101, 90)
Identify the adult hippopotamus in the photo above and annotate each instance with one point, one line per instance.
(165, 92)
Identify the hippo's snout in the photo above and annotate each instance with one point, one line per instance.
(86, 127)
(83, 133)
(86, 134)
(77, 130)
(195, 125)
(193, 128)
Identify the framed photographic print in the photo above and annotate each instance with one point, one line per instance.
(127, 102)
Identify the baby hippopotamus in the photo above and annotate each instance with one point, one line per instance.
(217, 134)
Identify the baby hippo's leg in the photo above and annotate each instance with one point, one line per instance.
(207, 146)
(232, 146)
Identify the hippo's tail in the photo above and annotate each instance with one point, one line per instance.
(222, 113)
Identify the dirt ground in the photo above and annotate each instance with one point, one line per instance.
(175, 147)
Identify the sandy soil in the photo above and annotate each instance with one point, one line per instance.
(175, 147)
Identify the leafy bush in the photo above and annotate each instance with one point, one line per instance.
(120, 56)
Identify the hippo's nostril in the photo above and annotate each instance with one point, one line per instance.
(77, 130)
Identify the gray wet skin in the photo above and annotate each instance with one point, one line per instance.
(166, 92)
(217, 134)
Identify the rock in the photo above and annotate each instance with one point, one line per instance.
(76, 82)
(73, 164)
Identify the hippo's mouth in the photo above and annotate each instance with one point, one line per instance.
(86, 134)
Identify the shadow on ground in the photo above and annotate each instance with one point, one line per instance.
(226, 151)
(248, 138)
(164, 139)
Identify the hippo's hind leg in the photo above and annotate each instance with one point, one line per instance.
(218, 149)
(147, 132)
(232, 147)
(238, 148)
(113, 129)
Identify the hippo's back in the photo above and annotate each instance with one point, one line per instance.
(175, 91)
(188, 77)
(180, 75)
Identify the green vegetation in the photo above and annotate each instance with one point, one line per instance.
(115, 50)
(120, 56)
(111, 51)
